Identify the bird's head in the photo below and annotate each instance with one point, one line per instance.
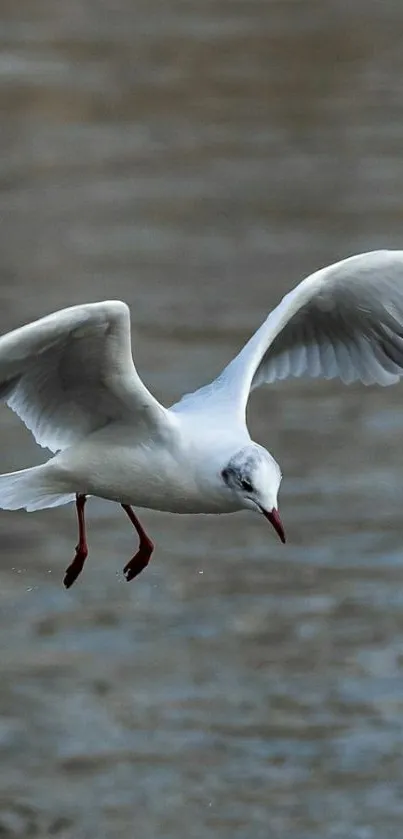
(254, 477)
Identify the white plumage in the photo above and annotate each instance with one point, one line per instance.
(71, 378)
(69, 373)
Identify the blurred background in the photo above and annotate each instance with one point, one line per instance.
(197, 159)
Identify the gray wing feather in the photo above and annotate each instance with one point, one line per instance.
(345, 321)
(70, 373)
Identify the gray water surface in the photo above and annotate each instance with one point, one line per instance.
(197, 159)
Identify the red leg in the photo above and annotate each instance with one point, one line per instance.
(75, 567)
(146, 547)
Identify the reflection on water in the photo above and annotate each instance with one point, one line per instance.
(196, 160)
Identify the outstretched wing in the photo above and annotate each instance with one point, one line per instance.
(72, 372)
(344, 321)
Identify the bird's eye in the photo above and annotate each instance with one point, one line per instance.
(247, 486)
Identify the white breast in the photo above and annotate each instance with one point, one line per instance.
(173, 478)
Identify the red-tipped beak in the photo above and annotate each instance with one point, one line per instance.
(275, 520)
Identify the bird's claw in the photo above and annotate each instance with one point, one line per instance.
(137, 563)
(76, 566)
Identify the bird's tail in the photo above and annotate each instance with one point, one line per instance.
(32, 489)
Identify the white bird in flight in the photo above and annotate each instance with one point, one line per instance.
(70, 376)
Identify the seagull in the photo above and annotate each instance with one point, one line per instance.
(70, 377)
